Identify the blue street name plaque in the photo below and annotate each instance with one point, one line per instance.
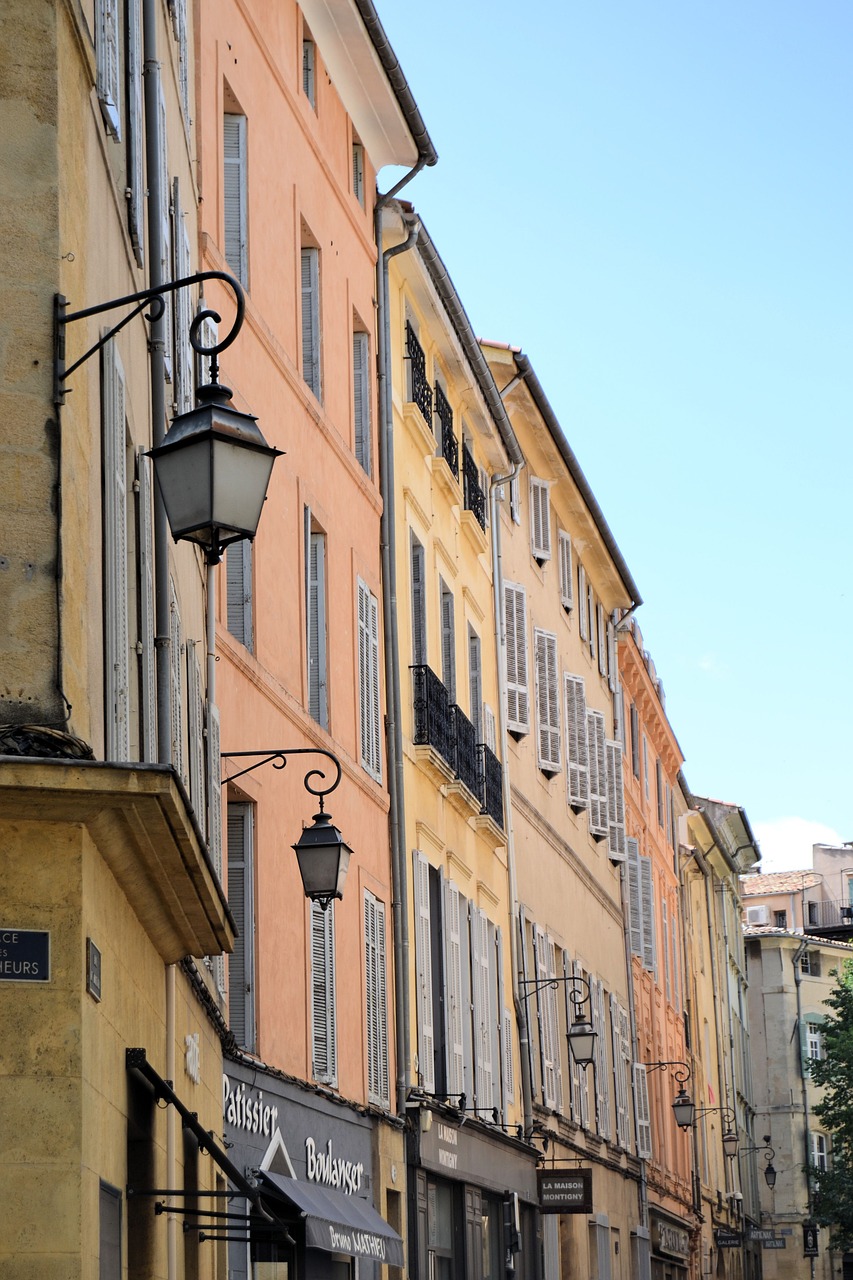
(24, 955)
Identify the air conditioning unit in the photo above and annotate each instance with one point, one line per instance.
(758, 915)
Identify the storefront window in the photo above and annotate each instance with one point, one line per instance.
(493, 1249)
(441, 1231)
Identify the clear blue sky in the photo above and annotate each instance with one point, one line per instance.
(653, 198)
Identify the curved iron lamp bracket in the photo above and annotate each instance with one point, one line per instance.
(278, 759)
(680, 1070)
(727, 1114)
(578, 997)
(155, 297)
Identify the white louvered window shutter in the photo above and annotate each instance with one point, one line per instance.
(311, 318)
(489, 728)
(195, 731)
(479, 932)
(145, 553)
(518, 709)
(496, 1014)
(234, 194)
(116, 626)
(368, 669)
(524, 954)
(591, 617)
(515, 500)
(647, 902)
(642, 1112)
(183, 307)
(615, 803)
(635, 906)
(135, 137)
(419, 632)
(564, 543)
(664, 911)
(423, 963)
(361, 398)
(241, 901)
(239, 575)
(107, 53)
(475, 684)
(179, 25)
(358, 172)
(583, 613)
(547, 1017)
(597, 774)
(454, 905)
(315, 615)
(602, 1074)
(377, 1009)
(176, 666)
(508, 1063)
(166, 241)
(540, 520)
(676, 961)
(547, 701)
(553, 1025)
(324, 1046)
(577, 743)
(214, 820)
(612, 662)
(448, 640)
(583, 1072)
(601, 632)
(619, 1089)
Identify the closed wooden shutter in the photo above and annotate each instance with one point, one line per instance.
(475, 684)
(135, 138)
(580, 1103)
(183, 307)
(315, 614)
(454, 906)
(145, 554)
(647, 901)
(176, 667)
(107, 46)
(311, 318)
(361, 397)
(564, 543)
(473, 1268)
(602, 1074)
(489, 728)
(179, 26)
(195, 732)
(642, 1113)
(615, 803)
(368, 651)
(480, 974)
(239, 561)
(166, 239)
(619, 1079)
(377, 1008)
(419, 633)
(591, 616)
(597, 774)
(241, 900)
(515, 608)
(358, 172)
(547, 701)
(324, 1047)
(423, 964)
(508, 1063)
(602, 639)
(116, 626)
(577, 743)
(540, 520)
(676, 960)
(448, 641)
(234, 195)
(664, 911)
(583, 616)
(635, 909)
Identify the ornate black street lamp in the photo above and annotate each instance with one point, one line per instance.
(581, 1034)
(683, 1106)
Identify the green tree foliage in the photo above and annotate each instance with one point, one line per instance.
(834, 1187)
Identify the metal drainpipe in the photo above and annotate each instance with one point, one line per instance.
(162, 641)
(500, 643)
(393, 722)
(798, 978)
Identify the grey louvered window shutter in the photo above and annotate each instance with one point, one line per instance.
(116, 628)
(368, 668)
(308, 70)
(358, 172)
(183, 307)
(564, 543)
(619, 1082)
(583, 612)
(107, 53)
(315, 614)
(241, 900)
(647, 902)
(642, 1112)
(448, 641)
(311, 318)
(475, 683)
(602, 1075)
(166, 238)
(456, 1012)
(547, 701)
(664, 933)
(540, 520)
(635, 908)
(324, 1045)
(515, 607)
(239, 573)
(419, 637)
(423, 963)
(615, 803)
(135, 138)
(377, 1006)
(177, 682)
(361, 398)
(234, 190)
(195, 730)
(597, 774)
(577, 743)
(145, 556)
(602, 639)
(480, 973)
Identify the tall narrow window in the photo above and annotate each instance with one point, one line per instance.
(238, 569)
(419, 634)
(475, 683)
(515, 609)
(234, 195)
(547, 701)
(116, 626)
(377, 1006)
(315, 621)
(311, 318)
(358, 172)
(308, 60)
(241, 900)
(361, 398)
(324, 1040)
(448, 641)
(107, 46)
(368, 675)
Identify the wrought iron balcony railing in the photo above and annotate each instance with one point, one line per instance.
(835, 914)
(419, 388)
(433, 714)
(443, 725)
(491, 785)
(448, 444)
(475, 498)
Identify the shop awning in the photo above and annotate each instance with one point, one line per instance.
(336, 1222)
